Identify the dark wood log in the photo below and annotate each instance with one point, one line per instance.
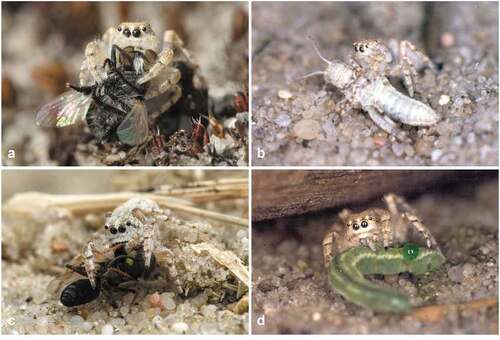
(277, 193)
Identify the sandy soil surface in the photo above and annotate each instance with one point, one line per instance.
(300, 122)
(291, 289)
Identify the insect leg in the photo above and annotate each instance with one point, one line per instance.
(115, 50)
(385, 123)
(122, 77)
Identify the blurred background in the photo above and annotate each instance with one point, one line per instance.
(98, 181)
(43, 46)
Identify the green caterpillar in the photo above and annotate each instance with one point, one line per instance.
(347, 269)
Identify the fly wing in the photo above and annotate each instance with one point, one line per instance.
(67, 109)
(134, 128)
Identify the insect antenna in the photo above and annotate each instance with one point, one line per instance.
(313, 74)
(316, 73)
(316, 48)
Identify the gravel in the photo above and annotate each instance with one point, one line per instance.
(461, 38)
(291, 287)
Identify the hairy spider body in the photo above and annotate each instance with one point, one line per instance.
(377, 227)
(133, 225)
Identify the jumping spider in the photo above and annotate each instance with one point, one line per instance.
(132, 226)
(128, 58)
(372, 56)
(375, 226)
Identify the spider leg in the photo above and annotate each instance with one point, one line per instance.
(368, 242)
(164, 101)
(166, 256)
(344, 214)
(164, 82)
(163, 60)
(411, 59)
(416, 223)
(89, 262)
(328, 248)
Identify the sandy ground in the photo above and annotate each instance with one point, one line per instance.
(299, 123)
(35, 249)
(291, 289)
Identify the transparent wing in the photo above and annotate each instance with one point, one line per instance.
(67, 109)
(56, 286)
(134, 128)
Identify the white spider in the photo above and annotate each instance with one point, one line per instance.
(132, 225)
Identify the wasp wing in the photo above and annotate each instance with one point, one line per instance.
(134, 128)
(67, 109)
(56, 286)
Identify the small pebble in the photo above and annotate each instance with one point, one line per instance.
(155, 300)
(283, 120)
(447, 39)
(316, 316)
(444, 99)
(307, 129)
(285, 94)
(436, 154)
(398, 149)
(180, 327)
(168, 301)
(456, 274)
(208, 310)
(107, 329)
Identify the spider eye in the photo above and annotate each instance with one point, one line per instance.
(355, 226)
(370, 218)
(129, 223)
(122, 229)
(119, 28)
(356, 48)
(136, 33)
(361, 49)
(113, 230)
(364, 224)
(143, 28)
(126, 32)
